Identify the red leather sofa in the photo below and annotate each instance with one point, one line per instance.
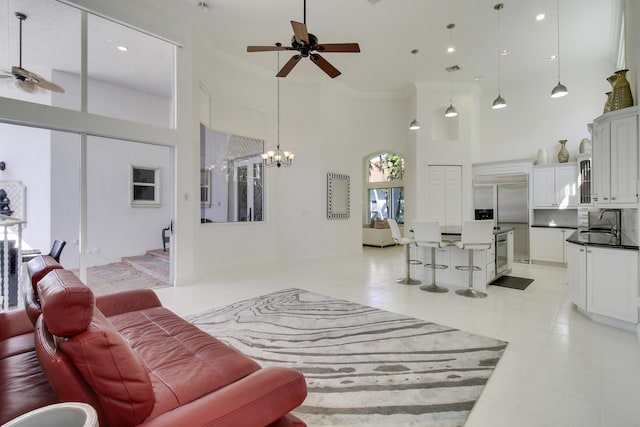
(137, 363)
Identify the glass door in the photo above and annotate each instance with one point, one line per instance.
(248, 195)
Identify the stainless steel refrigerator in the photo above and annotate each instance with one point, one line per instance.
(507, 197)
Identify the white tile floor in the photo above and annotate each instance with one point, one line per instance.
(560, 369)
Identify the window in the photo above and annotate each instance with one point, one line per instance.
(145, 186)
(385, 187)
(205, 188)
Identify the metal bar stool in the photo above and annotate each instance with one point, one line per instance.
(476, 235)
(427, 234)
(405, 241)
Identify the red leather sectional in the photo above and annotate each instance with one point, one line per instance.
(137, 363)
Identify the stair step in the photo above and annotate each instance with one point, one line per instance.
(150, 264)
(159, 253)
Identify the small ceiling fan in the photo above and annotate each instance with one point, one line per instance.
(307, 44)
(26, 80)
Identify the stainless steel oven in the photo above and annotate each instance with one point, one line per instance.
(501, 254)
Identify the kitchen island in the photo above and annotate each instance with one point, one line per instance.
(452, 256)
(602, 273)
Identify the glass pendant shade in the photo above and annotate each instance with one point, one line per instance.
(499, 103)
(451, 111)
(415, 125)
(559, 91)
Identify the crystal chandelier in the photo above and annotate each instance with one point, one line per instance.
(278, 158)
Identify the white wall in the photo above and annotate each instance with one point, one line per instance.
(26, 152)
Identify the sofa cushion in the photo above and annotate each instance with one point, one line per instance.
(24, 387)
(67, 303)
(113, 370)
(184, 362)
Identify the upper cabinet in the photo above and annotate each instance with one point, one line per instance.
(615, 158)
(555, 186)
(444, 198)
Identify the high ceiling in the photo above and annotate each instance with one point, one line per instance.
(387, 31)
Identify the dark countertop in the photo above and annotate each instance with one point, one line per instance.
(457, 231)
(581, 237)
(554, 226)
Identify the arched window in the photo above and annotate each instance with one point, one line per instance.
(385, 187)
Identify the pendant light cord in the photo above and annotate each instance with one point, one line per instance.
(558, 24)
(278, 101)
(499, 47)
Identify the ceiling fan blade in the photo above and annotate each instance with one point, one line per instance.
(40, 81)
(325, 65)
(284, 71)
(338, 47)
(300, 32)
(266, 48)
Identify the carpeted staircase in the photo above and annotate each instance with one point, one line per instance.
(155, 263)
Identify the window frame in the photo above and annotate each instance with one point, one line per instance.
(136, 203)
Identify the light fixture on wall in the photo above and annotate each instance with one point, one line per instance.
(451, 110)
(278, 158)
(415, 124)
(559, 90)
(499, 102)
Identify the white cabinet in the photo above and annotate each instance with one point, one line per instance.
(612, 283)
(604, 281)
(548, 244)
(555, 186)
(444, 198)
(615, 158)
(577, 274)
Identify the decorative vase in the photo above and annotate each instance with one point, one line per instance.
(612, 81)
(585, 146)
(621, 97)
(563, 154)
(541, 157)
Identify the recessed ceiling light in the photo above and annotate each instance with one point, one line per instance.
(505, 52)
(478, 77)
(541, 17)
(122, 48)
(553, 57)
(451, 49)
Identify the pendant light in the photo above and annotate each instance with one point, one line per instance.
(451, 110)
(499, 102)
(559, 90)
(415, 124)
(277, 158)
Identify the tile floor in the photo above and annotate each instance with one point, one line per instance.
(560, 369)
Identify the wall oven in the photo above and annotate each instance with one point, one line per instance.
(501, 254)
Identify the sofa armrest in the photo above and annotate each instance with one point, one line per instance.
(13, 323)
(127, 301)
(258, 399)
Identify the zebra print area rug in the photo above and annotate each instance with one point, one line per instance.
(363, 366)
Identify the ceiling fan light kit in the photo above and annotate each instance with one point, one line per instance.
(26, 80)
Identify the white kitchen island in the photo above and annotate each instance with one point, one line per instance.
(452, 256)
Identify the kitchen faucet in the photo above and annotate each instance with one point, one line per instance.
(614, 228)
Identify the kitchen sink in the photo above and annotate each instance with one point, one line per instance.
(598, 233)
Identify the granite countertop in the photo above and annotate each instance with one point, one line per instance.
(582, 236)
(457, 231)
(554, 226)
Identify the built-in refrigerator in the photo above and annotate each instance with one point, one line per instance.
(506, 200)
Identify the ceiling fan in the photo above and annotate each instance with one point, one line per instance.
(307, 45)
(26, 80)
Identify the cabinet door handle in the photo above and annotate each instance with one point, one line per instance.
(581, 250)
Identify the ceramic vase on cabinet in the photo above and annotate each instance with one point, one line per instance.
(612, 80)
(585, 146)
(541, 157)
(621, 97)
(563, 154)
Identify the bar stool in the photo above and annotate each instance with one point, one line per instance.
(396, 235)
(427, 234)
(476, 235)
